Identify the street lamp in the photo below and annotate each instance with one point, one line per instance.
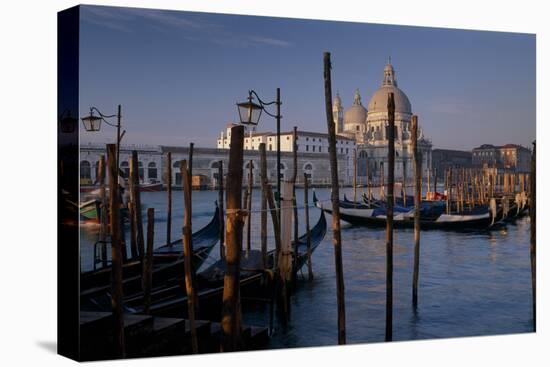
(249, 114)
(93, 123)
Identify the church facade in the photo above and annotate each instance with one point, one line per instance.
(369, 128)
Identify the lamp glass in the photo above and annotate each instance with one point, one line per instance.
(249, 112)
(91, 123)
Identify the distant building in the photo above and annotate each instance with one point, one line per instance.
(152, 164)
(307, 143)
(369, 128)
(444, 159)
(508, 157)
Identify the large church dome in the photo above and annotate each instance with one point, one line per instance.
(355, 115)
(379, 100)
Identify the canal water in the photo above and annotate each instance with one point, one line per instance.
(473, 283)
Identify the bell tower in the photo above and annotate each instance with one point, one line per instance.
(338, 114)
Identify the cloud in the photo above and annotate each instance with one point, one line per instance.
(197, 29)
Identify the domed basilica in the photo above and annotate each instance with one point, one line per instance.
(368, 126)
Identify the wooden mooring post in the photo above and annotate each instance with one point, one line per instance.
(188, 254)
(263, 203)
(389, 218)
(533, 218)
(249, 206)
(354, 177)
(308, 234)
(294, 202)
(169, 195)
(103, 229)
(148, 260)
(417, 166)
(267, 195)
(135, 197)
(116, 254)
(335, 198)
(231, 311)
(286, 266)
(220, 209)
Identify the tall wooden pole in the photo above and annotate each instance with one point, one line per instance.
(263, 201)
(404, 186)
(285, 255)
(308, 234)
(533, 218)
(382, 182)
(435, 180)
(220, 208)
(294, 201)
(249, 207)
(354, 177)
(389, 218)
(169, 203)
(335, 197)
(133, 244)
(116, 254)
(103, 229)
(188, 255)
(136, 200)
(417, 165)
(369, 190)
(231, 312)
(148, 263)
(131, 210)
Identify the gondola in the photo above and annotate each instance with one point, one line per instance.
(210, 281)
(168, 260)
(170, 299)
(432, 216)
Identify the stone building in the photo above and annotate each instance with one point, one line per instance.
(307, 142)
(443, 159)
(152, 164)
(508, 157)
(150, 158)
(369, 128)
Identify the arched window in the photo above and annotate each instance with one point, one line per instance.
(152, 170)
(215, 165)
(176, 164)
(282, 166)
(248, 164)
(125, 169)
(308, 167)
(85, 170)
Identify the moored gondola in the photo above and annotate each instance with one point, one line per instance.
(170, 299)
(432, 216)
(168, 260)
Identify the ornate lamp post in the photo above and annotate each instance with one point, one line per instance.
(250, 113)
(93, 123)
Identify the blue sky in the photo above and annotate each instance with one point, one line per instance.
(178, 74)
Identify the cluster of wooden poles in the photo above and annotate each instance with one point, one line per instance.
(239, 212)
(467, 187)
(231, 237)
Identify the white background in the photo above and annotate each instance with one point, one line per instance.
(28, 181)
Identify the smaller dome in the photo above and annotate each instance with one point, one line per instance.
(356, 114)
(337, 100)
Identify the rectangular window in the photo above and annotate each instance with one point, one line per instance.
(307, 148)
(314, 148)
(320, 149)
